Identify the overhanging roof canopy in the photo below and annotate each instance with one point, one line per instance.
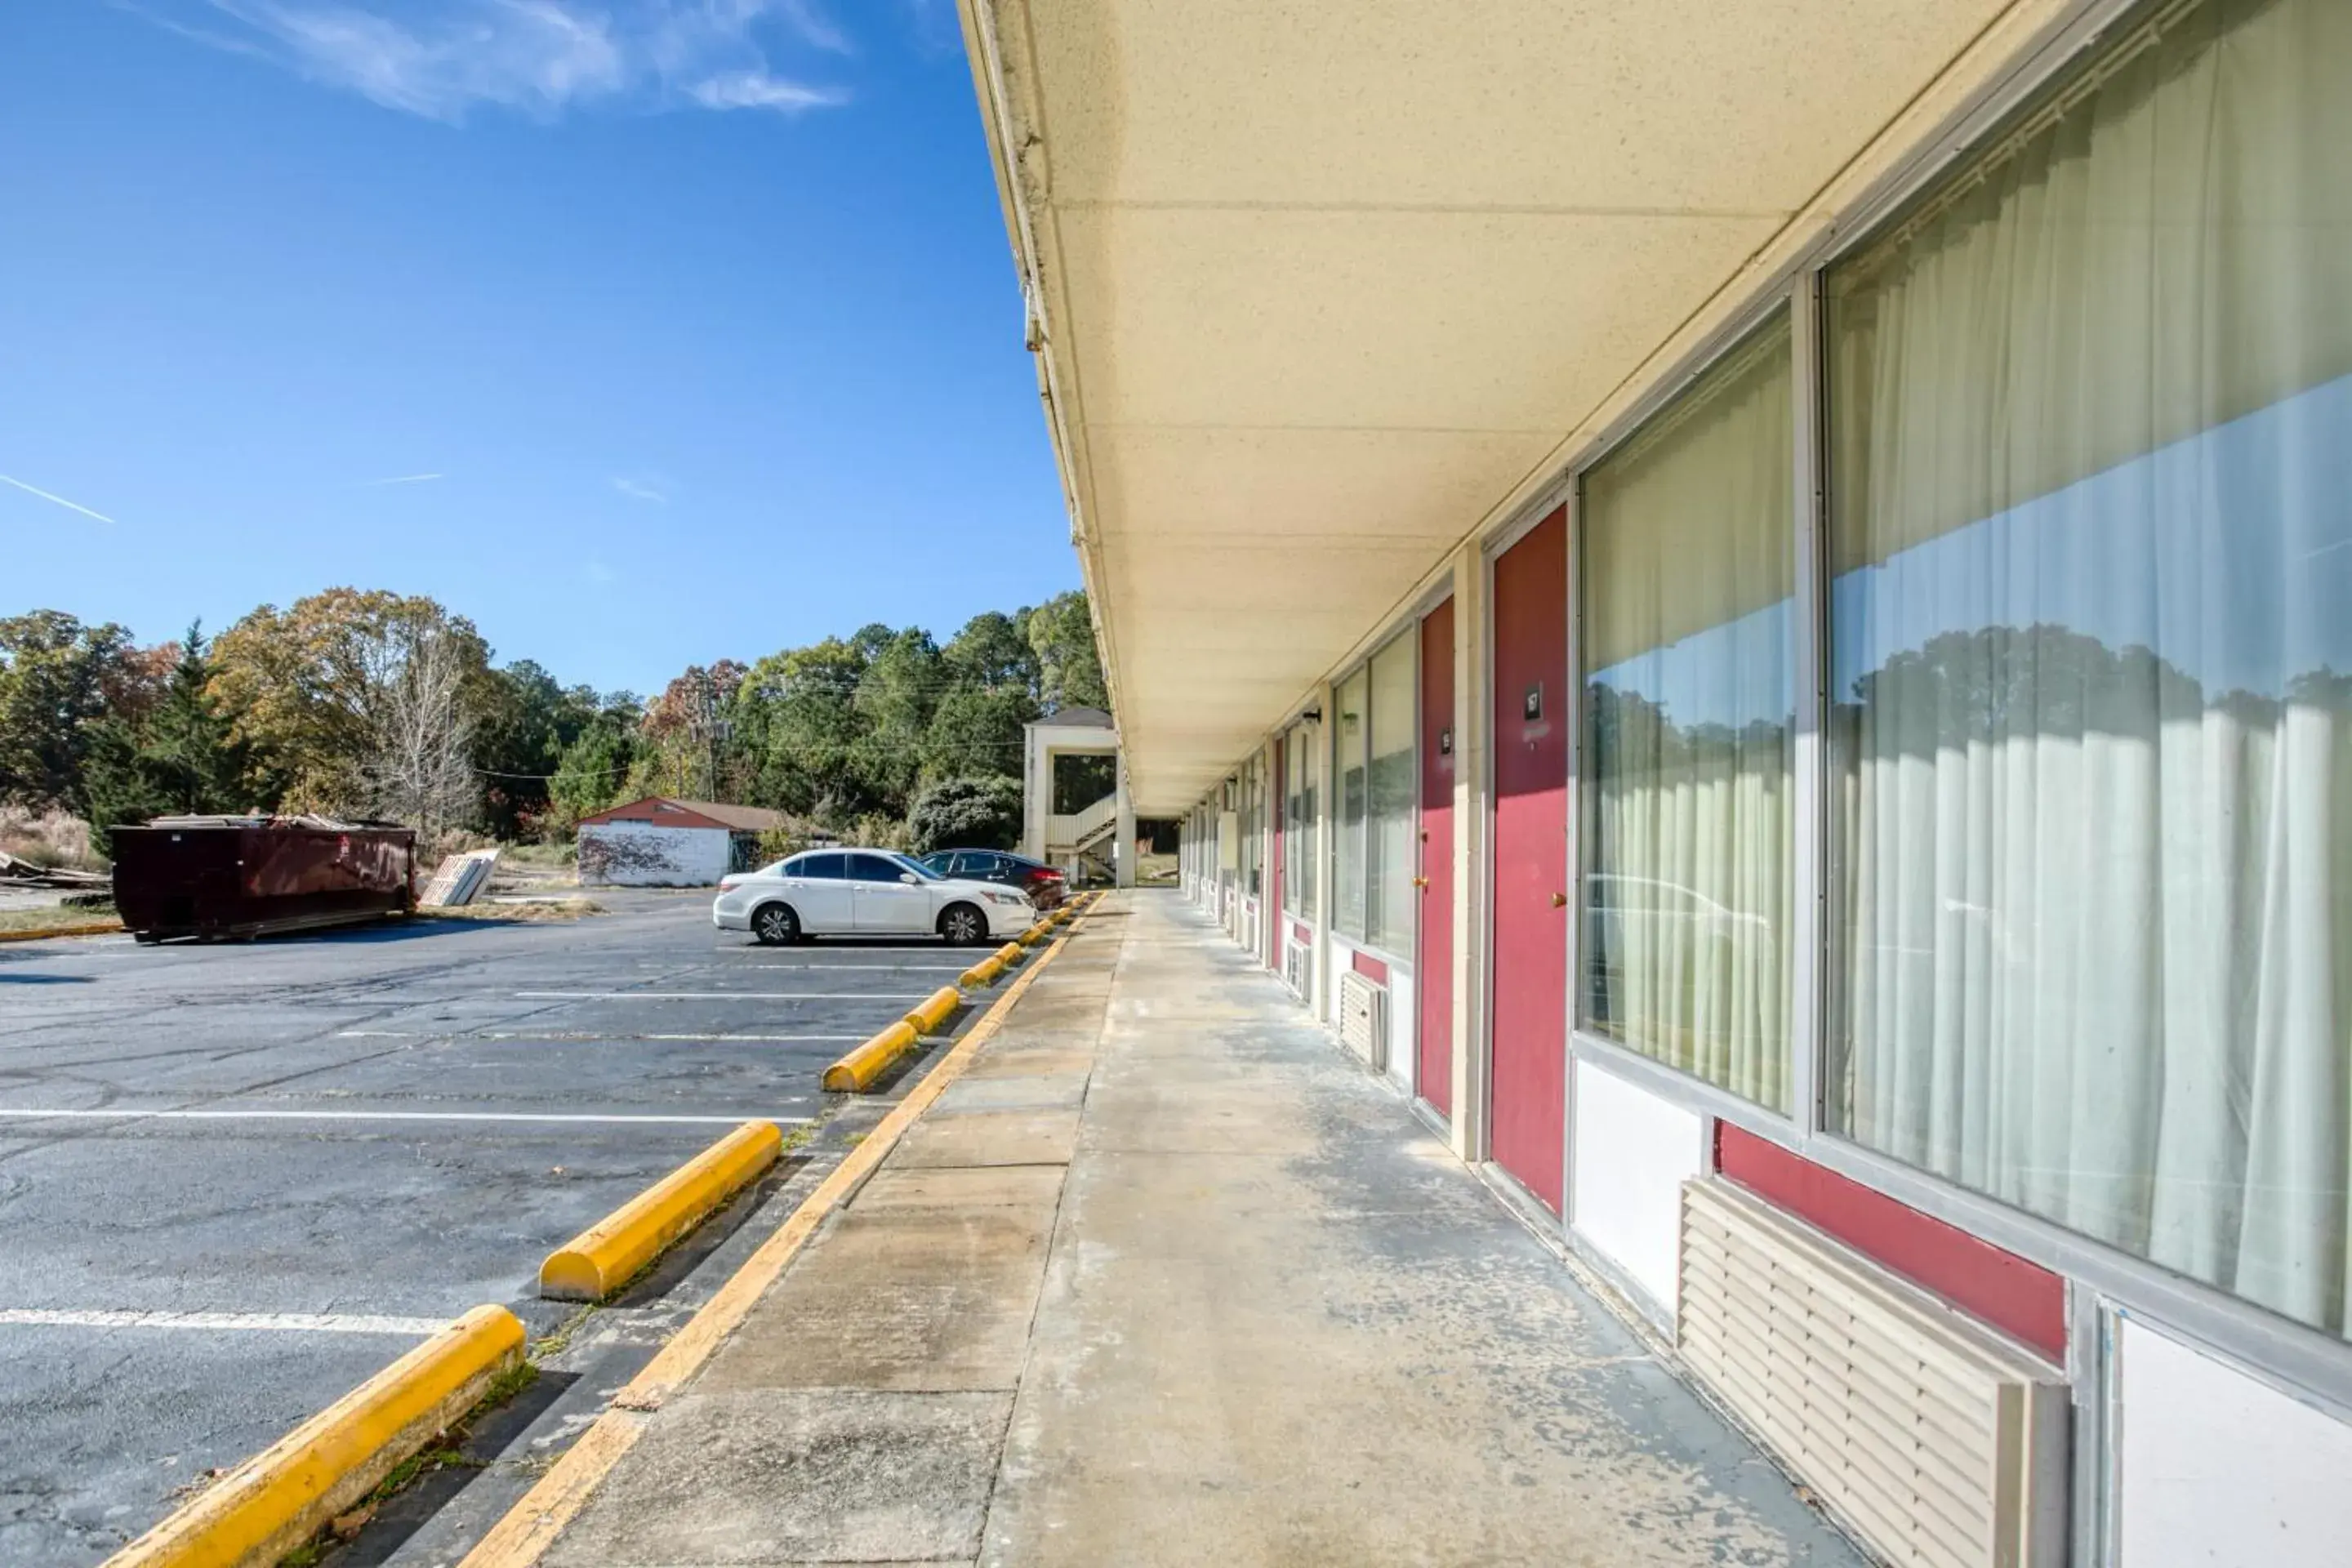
(1316, 285)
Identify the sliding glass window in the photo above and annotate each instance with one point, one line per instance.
(2090, 408)
(1387, 881)
(1252, 814)
(1349, 729)
(1689, 549)
(1298, 820)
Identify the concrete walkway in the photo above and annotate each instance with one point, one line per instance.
(1165, 1277)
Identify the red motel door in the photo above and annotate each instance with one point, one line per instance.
(1433, 959)
(1530, 741)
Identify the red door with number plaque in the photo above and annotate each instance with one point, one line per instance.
(1434, 959)
(1529, 1082)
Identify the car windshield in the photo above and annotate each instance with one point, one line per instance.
(925, 872)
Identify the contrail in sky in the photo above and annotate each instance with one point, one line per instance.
(403, 480)
(68, 505)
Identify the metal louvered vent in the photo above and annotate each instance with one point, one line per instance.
(1939, 1442)
(1364, 1019)
(1295, 961)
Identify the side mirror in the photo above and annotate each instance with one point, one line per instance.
(911, 878)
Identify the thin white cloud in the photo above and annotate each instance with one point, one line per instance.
(636, 490)
(443, 59)
(595, 570)
(808, 19)
(758, 90)
(59, 500)
(399, 480)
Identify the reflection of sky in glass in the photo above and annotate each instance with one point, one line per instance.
(2227, 552)
(1733, 674)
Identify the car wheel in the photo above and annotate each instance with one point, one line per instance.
(773, 924)
(964, 925)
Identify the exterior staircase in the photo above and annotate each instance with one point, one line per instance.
(1080, 840)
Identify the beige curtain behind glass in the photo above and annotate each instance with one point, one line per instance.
(1350, 727)
(1688, 558)
(2092, 705)
(2187, 182)
(1389, 897)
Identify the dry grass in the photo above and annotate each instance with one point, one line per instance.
(64, 921)
(47, 838)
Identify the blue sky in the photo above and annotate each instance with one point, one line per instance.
(699, 313)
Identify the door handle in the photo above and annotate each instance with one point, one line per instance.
(1421, 881)
(1560, 901)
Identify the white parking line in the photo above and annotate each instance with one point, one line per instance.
(711, 996)
(582, 1036)
(568, 1038)
(691, 1040)
(583, 1118)
(864, 968)
(272, 1322)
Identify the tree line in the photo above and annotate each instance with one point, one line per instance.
(368, 704)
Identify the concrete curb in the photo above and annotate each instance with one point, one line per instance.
(78, 928)
(286, 1494)
(608, 1254)
(530, 1527)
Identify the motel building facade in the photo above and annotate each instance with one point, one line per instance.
(1754, 605)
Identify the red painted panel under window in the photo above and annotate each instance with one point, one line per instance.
(1372, 968)
(2020, 1299)
(1434, 959)
(1530, 741)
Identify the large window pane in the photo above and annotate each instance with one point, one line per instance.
(1349, 730)
(1252, 825)
(1298, 846)
(1689, 551)
(1389, 891)
(2091, 660)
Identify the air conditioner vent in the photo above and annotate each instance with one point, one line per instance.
(1364, 1019)
(1939, 1442)
(1296, 965)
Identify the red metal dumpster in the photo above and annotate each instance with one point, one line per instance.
(212, 876)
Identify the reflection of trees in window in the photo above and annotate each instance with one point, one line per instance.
(1690, 874)
(2091, 919)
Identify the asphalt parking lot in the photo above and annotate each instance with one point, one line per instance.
(237, 1180)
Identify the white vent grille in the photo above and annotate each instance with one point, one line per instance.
(1939, 1442)
(1295, 965)
(1364, 1019)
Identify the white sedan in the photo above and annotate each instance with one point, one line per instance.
(865, 892)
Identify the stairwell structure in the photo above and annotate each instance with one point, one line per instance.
(1096, 840)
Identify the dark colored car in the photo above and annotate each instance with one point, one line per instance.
(1045, 885)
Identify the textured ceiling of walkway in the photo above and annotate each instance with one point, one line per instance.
(1321, 282)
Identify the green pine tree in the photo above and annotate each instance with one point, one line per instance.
(179, 761)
